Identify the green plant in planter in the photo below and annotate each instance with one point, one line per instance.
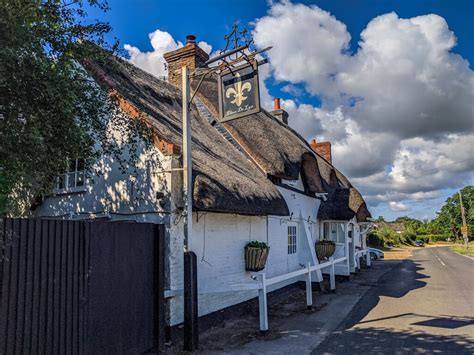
(257, 244)
(256, 254)
(325, 241)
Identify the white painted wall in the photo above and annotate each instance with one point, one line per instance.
(219, 240)
(117, 195)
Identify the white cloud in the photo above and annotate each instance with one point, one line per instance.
(307, 43)
(399, 112)
(206, 47)
(398, 206)
(153, 62)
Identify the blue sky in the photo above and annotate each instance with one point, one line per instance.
(210, 20)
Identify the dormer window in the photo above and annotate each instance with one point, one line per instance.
(74, 178)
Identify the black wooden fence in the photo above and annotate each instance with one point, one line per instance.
(81, 287)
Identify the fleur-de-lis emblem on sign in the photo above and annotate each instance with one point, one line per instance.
(239, 91)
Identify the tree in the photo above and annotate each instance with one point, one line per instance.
(411, 224)
(448, 221)
(383, 236)
(51, 111)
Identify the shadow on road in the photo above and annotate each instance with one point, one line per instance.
(447, 322)
(397, 283)
(383, 341)
(407, 278)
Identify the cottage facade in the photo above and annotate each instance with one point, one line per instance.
(254, 178)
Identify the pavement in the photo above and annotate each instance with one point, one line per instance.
(424, 305)
(293, 329)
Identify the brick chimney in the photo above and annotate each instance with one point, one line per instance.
(282, 115)
(322, 148)
(190, 55)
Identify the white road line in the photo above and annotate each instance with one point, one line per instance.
(466, 256)
(440, 261)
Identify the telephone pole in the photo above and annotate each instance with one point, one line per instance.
(464, 225)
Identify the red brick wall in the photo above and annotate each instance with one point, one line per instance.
(322, 148)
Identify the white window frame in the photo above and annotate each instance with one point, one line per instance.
(334, 231)
(74, 180)
(292, 234)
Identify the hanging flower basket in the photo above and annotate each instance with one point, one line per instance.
(325, 249)
(256, 254)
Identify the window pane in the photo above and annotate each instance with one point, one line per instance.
(80, 164)
(72, 165)
(333, 236)
(291, 239)
(71, 180)
(80, 178)
(60, 184)
(340, 233)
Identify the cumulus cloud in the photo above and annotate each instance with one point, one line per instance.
(307, 43)
(153, 61)
(398, 206)
(399, 111)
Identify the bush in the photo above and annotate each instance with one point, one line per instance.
(383, 237)
(408, 237)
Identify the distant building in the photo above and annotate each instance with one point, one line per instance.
(398, 228)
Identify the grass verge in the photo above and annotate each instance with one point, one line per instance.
(461, 249)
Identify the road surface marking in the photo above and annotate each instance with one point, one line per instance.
(441, 261)
(466, 256)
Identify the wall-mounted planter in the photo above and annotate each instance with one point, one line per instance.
(256, 257)
(325, 249)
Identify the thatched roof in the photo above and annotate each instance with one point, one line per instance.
(231, 161)
(224, 180)
(280, 151)
(273, 145)
(343, 204)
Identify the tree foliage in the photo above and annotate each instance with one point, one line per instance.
(449, 220)
(51, 112)
(447, 223)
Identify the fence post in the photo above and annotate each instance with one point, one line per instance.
(191, 336)
(309, 290)
(369, 261)
(332, 275)
(262, 303)
(159, 289)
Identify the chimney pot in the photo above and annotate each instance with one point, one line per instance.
(280, 114)
(190, 39)
(276, 104)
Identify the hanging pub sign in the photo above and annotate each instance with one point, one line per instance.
(239, 94)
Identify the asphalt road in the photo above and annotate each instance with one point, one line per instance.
(424, 305)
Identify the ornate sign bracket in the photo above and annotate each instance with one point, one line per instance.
(239, 54)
